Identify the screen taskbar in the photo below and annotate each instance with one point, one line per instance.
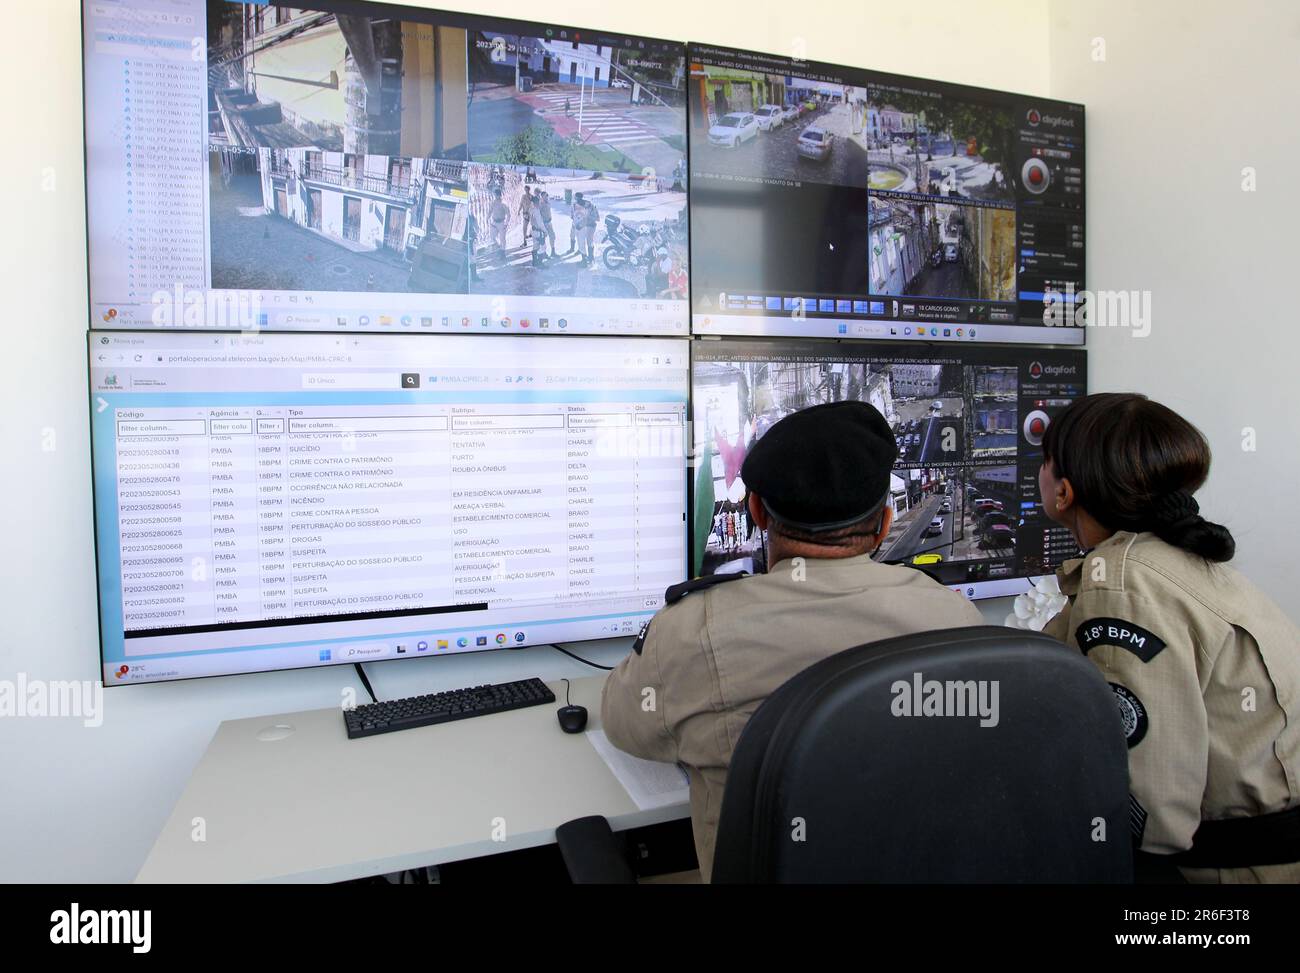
(409, 644)
(784, 326)
(225, 310)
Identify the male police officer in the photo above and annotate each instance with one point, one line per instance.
(819, 485)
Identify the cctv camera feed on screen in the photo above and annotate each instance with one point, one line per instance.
(362, 166)
(280, 501)
(969, 427)
(837, 202)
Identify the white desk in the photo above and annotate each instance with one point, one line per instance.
(315, 806)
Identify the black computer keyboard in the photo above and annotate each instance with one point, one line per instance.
(457, 704)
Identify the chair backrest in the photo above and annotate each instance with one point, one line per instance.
(978, 754)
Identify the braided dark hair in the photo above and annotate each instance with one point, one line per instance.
(1134, 465)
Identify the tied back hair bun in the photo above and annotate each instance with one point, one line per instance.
(1176, 519)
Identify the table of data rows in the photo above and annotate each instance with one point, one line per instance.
(254, 514)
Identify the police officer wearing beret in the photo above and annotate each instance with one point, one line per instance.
(818, 483)
(1205, 668)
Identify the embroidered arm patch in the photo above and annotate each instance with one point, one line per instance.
(1115, 631)
(1132, 714)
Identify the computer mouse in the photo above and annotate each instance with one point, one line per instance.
(572, 718)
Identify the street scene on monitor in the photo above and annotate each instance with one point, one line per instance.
(310, 220)
(880, 206)
(576, 233)
(779, 127)
(563, 103)
(924, 248)
(281, 77)
(922, 142)
(968, 429)
(361, 154)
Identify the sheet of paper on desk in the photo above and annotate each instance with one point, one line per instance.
(649, 783)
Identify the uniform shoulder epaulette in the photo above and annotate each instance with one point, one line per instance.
(679, 591)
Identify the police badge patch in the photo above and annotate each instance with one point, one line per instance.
(1115, 631)
(1131, 713)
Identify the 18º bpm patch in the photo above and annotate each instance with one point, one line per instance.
(1115, 631)
(1131, 713)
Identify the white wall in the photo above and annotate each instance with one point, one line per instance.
(85, 804)
(1187, 96)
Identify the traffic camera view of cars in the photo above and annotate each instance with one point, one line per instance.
(947, 183)
(968, 431)
(780, 127)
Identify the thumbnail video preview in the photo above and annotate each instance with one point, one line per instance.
(340, 148)
(920, 142)
(546, 102)
(312, 220)
(568, 232)
(923, 248)
(365, 85)
(778, 128)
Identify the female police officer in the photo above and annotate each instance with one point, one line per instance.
(1205, 668)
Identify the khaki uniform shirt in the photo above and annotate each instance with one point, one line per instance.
(715, 655)
(1206, 672)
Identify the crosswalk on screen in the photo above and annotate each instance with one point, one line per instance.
(281, 501)
(968, 424)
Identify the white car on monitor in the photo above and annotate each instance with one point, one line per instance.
(814, 143)
(769, 117)
(733, 129)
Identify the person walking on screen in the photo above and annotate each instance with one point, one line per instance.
(538, 232)
(544, 205)
(590, 218)
(526, 204)
(577, 216)
(499, 219)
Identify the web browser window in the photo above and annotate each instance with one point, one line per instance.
(280, 501)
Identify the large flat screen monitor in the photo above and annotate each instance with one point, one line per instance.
(969, 424)
(280, 501)
(839, 202)
(352, 166)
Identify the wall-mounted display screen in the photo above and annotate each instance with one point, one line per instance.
(969, 426)
(838, 202)
(363, 166)
(280, 501)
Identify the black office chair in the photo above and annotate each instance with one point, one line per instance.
(827, 784)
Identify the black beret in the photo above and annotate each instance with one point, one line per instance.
(824, 467)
